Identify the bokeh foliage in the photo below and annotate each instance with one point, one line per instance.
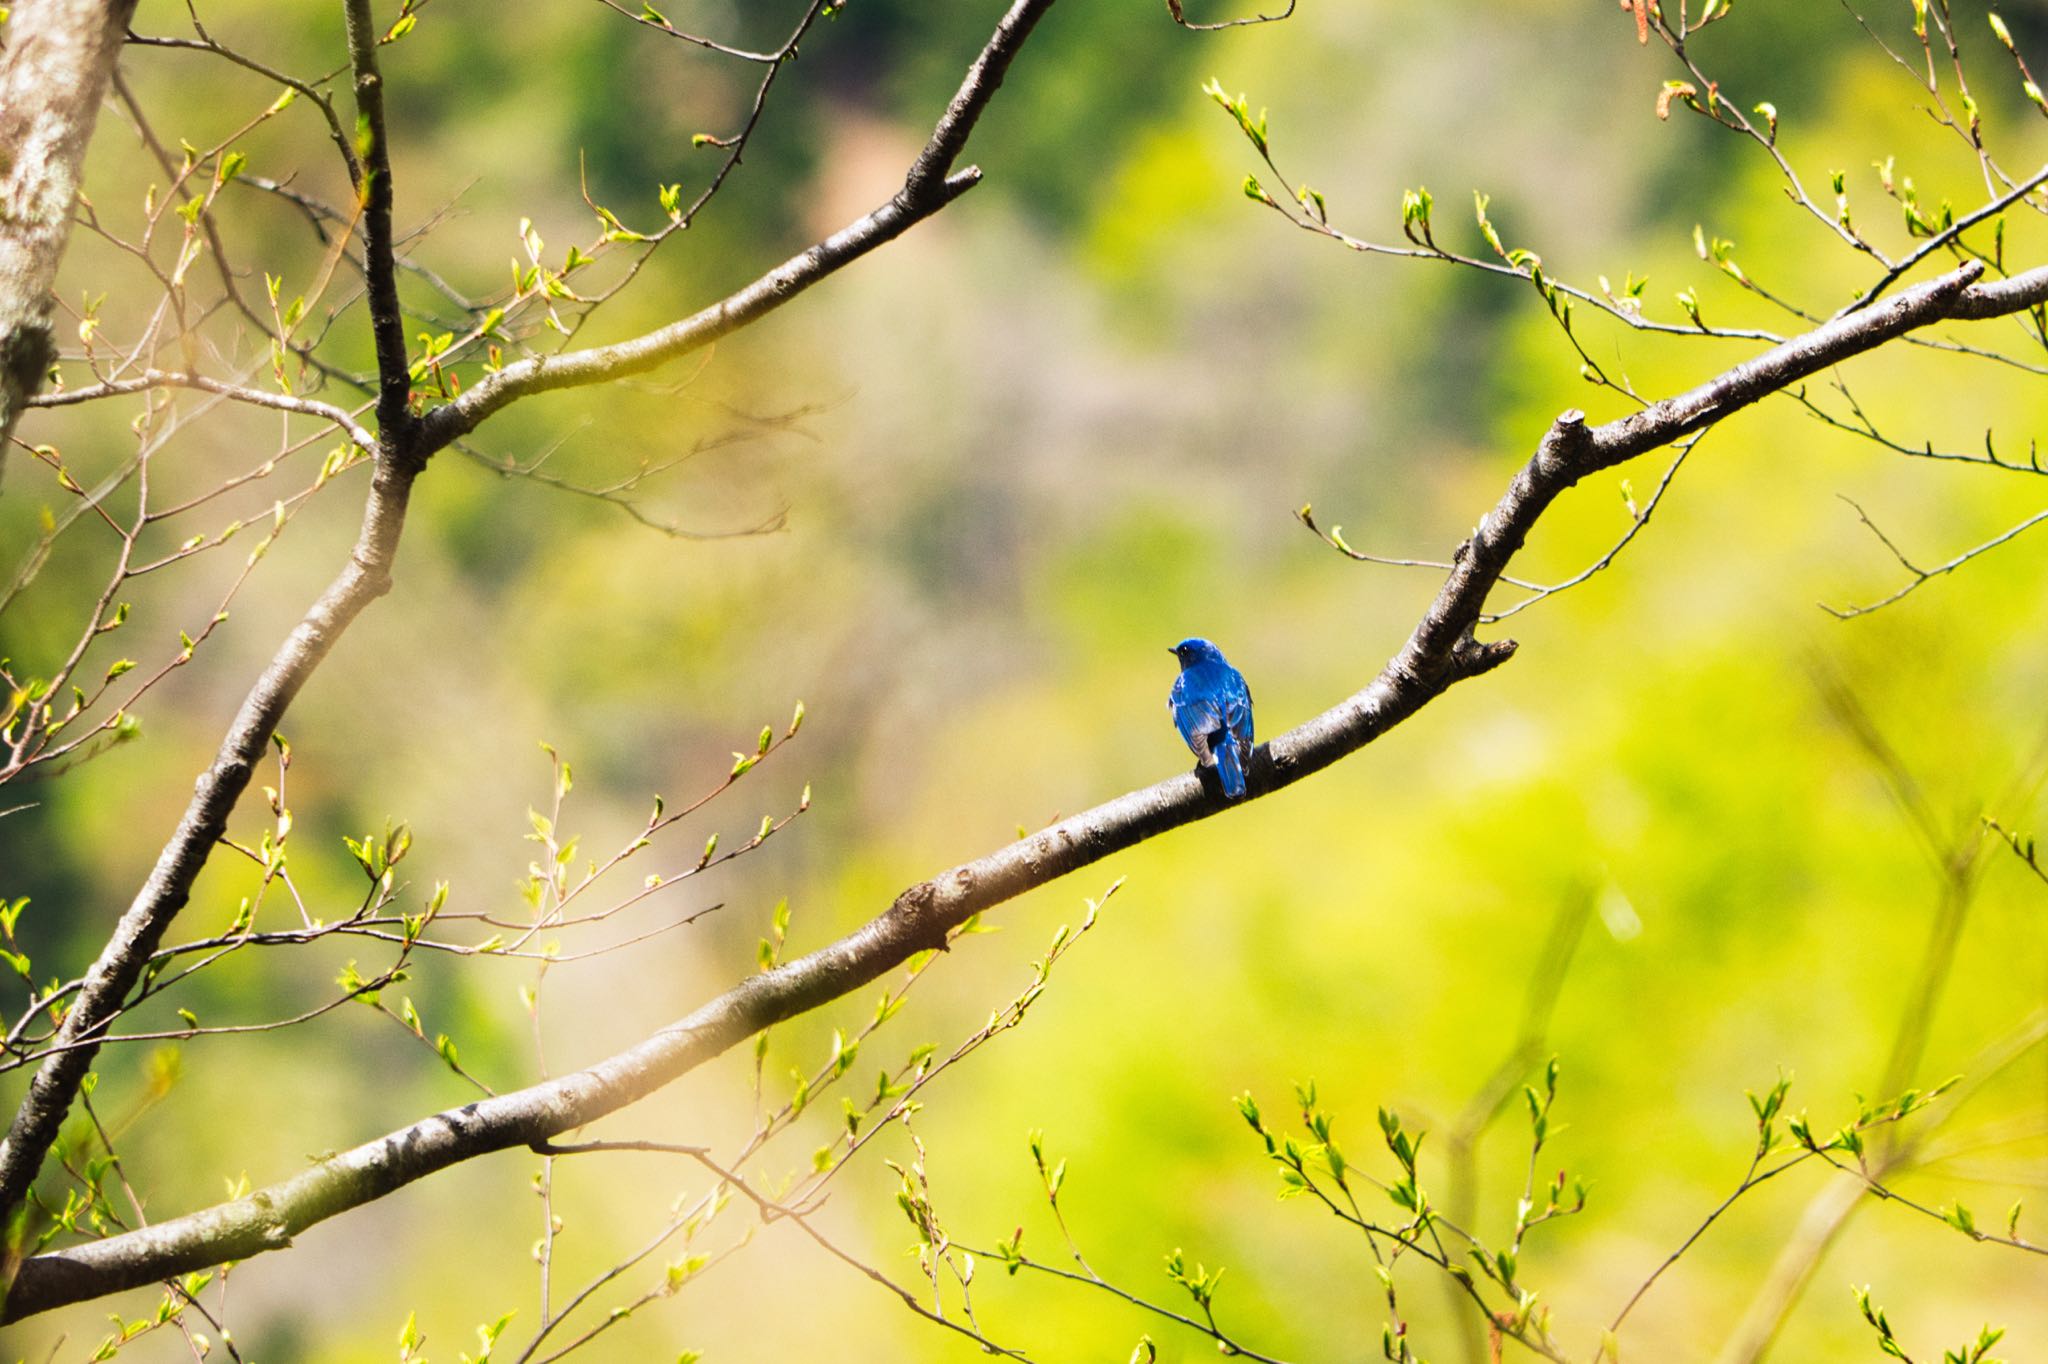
(1055, 431)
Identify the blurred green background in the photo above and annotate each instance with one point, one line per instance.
(1037, 441)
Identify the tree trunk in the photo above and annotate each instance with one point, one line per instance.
(56, 57)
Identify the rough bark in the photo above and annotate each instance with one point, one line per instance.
(57, 58)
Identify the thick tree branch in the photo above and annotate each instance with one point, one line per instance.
(380, 274)
(2000, 297)
(1442, 651)
(56, 58)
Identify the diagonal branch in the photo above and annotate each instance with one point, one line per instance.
(1441, 652)
(365, 577)
(929, 186)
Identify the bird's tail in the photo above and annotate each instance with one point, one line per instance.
(1230, 765)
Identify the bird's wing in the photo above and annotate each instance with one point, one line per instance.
(1196, 715)
(1237, 709)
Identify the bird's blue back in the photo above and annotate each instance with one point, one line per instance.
(1210, 699)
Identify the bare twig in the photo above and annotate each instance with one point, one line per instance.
(1922, 576)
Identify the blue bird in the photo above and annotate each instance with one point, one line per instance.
(1212, 708)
